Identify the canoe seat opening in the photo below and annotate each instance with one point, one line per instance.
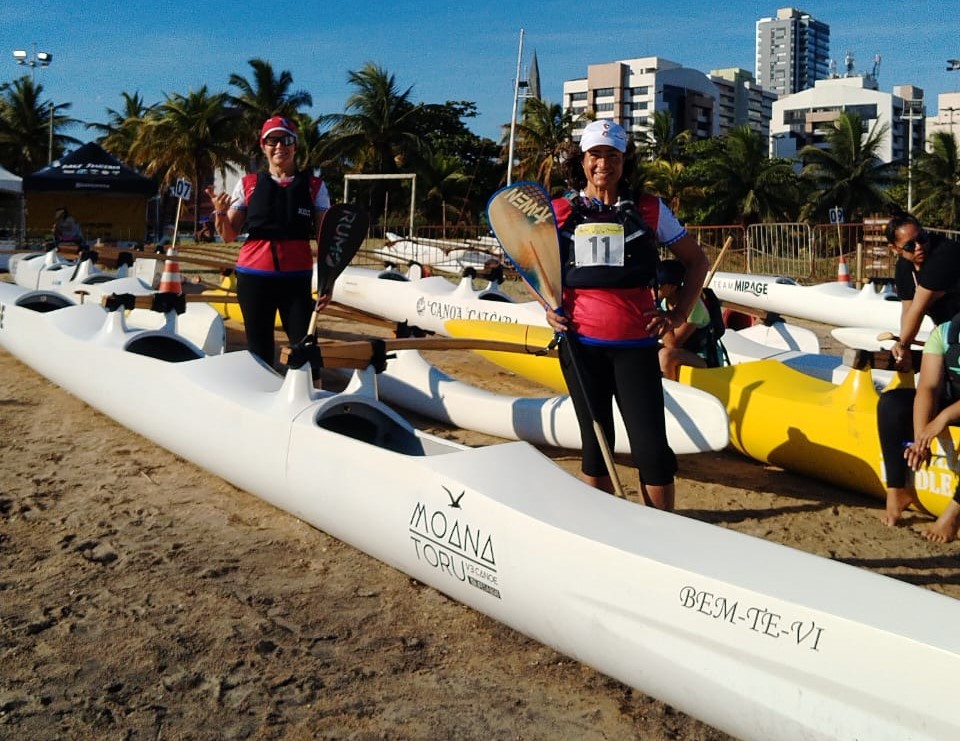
(98, 278)
(369, 425)
(44, 302)
(163, 347)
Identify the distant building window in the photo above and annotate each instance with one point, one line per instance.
(642, 90)
(578, 96)
(603, 92)
(641, 105)
(604, 106)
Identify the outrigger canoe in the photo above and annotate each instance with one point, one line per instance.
(817, 417)
(429, 303)
(757, 639)
(81, 281)
(546, 370)
(696, 421)
(820, 429)
(829, 303)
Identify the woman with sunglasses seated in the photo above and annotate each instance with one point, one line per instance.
(280, 209)
(927, 277)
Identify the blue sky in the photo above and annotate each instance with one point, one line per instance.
(444, 50)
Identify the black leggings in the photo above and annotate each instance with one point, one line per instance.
(632, 377)
(895, 426)
(261, 297)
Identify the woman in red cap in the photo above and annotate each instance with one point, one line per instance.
(280, 210)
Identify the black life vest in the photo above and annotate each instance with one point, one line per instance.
(641, 255)
(277, 212)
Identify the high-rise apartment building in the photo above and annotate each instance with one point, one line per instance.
(793, 51)
(629, 91)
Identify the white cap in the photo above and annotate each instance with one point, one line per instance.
(603, 133)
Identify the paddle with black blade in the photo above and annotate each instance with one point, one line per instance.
(342, 231)
(524, 223)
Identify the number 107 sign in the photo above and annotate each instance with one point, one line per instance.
(182, 189)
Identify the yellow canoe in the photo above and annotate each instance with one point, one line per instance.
(230, 309)
(778, 415)
(545, 371)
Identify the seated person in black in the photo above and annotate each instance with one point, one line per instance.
(927, 276)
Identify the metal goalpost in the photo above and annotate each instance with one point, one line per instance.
(400, 176)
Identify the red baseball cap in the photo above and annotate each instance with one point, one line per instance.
(278, 123)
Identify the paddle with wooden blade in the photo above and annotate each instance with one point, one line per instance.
(342, 231)
(524, 223)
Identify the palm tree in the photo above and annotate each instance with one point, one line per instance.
(189, 136)
(119, 133)
(659, 142)
(266, 95)
(671, 181)
(445, 185)
(542, 138)
(29, 136)
(378, 132)
(741, 184)
(849, 172)
(936, 180)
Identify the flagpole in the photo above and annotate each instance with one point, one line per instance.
(513, 116)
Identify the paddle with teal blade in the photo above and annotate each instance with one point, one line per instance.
(525, 224)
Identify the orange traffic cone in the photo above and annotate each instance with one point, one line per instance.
(843, 274)
(170, 281)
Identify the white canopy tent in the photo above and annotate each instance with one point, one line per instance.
(11, 213)
(10, 183)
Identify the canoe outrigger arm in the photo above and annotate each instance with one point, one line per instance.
(161, 302)
(375, 352)
(879, 359)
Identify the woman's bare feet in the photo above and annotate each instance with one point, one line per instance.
(898, 500)
(945, 528)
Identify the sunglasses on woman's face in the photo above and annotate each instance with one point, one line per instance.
(286, 140)
(921, 239)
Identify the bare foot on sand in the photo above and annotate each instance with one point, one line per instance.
(945, 528)
(898, 500)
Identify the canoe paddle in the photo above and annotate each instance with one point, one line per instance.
(342, 231)
(523, 221)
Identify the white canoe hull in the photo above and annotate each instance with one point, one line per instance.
(200, 323)
(441, 255)
(696, 421)
(865, 338)
(429, 302)
(829, 303)
(759, 640)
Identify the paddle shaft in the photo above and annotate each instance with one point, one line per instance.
(602, 442)
(524, 222)
(716, 263)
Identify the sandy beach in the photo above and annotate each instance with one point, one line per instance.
(142, 598)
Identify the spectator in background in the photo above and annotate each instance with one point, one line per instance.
(66, 229)
(204, 232)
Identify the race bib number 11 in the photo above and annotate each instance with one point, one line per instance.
(597, 245)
